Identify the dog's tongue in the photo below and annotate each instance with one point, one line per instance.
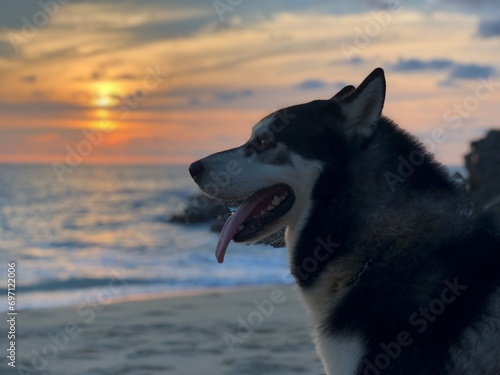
(232, 224)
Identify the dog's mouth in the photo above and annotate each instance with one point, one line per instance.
(254, 215)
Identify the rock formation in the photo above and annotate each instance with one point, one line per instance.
(483, 164)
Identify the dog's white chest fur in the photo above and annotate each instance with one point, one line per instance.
(340, 354)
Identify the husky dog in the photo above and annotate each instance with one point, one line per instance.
(399, 275)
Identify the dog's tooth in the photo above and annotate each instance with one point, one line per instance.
(278, 200)
(270, 208)
(262, 212)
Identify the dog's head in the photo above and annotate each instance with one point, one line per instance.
(274, 172)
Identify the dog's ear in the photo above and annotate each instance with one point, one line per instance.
(363, 107)
(345, 92)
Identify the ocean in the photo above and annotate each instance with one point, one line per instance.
(102, 233)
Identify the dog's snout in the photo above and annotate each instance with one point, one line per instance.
(196, 168)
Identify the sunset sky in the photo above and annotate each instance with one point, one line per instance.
(171, 81)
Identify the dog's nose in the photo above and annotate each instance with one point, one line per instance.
(196, 168)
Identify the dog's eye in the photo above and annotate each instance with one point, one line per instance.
(264, 143)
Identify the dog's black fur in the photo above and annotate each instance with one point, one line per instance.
(407, 238)
(417, 231)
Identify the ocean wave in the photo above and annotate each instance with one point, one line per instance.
(82, 283)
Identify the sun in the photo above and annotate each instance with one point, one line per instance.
(106, 95)
(105, 101)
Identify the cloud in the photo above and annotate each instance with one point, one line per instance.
(456, 70)
(38, 94)
(473, 3)
(126, 77)
(311, 84)
(467, 72)
(471, 71)
(483, 7)
(204, 96)
(104, 13)
(409, 65)
(161, 30)
(488, 29)
(102, 27)
(354, 60)
(6, 49)
(17, 11)
(29, 78)
(93, 76)
(428, 6)
(232, 95)
(40, 108)
(378, 4)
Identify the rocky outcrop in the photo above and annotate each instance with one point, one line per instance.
(202, 209)
(483, 163)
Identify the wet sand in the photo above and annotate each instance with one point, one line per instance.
(261, 330)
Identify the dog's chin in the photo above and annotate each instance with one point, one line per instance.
(258, 234)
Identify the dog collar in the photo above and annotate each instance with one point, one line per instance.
(363, 269)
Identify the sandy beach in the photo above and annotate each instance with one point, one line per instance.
(241, 331)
